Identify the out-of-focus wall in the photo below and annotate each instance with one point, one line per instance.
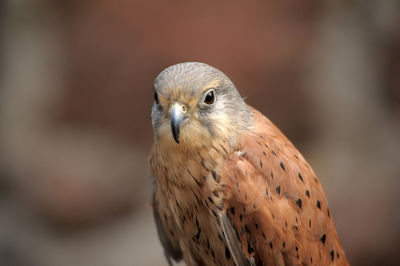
(75, 130)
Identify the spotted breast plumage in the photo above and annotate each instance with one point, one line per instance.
(228, 187)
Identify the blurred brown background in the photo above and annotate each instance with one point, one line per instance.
(75, 129)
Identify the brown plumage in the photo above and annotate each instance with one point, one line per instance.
(229, 187)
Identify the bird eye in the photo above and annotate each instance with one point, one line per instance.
(156, 98)
(210, 98)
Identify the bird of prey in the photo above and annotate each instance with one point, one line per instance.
(228, 187)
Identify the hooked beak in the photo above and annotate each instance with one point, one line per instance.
(177, 115)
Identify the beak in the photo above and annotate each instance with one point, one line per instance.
(177, 115)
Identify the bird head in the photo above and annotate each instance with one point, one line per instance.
(195, 105)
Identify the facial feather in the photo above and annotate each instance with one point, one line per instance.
(188, 84)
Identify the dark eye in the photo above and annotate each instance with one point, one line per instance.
(156, 98)
(210, 98)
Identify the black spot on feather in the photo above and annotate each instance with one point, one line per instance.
(299, 203)
(227, 253)
(249, 248)
(323, 238)
(215, 176)
(301, 178)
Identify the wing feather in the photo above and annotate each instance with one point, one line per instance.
(233, 242)
(276, 204)
(170, 250)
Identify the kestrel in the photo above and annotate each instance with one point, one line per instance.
(229, 187)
